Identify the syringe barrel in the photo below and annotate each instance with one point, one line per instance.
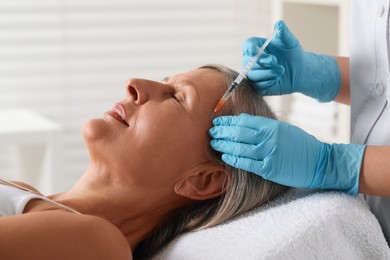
(230, 90)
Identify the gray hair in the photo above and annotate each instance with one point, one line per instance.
(244, 190)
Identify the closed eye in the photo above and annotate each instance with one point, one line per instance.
(176, 98)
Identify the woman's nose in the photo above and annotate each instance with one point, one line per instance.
(141, 90)
(133, 91)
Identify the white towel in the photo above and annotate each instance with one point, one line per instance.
(298, 225)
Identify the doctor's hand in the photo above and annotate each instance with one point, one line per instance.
(286, 154)
(286, 68)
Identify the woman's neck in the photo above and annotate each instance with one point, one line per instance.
(135, 214)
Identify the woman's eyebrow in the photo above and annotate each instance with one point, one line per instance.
(165, 79)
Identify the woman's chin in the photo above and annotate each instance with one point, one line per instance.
(95, 129)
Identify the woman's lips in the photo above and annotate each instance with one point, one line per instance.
(119, 113)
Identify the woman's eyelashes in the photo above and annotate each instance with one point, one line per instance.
(179, 101)
(179, 96)
(177, 93)
(176, 98)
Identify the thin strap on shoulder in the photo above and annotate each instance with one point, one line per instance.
(40, 196)
(60, 205)
(15, 185)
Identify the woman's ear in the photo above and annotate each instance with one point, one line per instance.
(205, 182)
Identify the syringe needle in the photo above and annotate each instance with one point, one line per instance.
(212, 114)
(218, 106)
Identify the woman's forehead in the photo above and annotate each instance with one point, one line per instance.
(204, 77)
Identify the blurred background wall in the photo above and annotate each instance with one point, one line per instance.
(68, 61)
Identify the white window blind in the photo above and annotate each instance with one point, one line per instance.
(319, 119)
(69, 59)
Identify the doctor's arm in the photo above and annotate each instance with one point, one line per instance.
(375, 171)
(343, 95)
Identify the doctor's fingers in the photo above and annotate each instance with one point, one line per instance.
(250, 151)
(285, 39)
(265, 61)
(261, 74)
(251, 45)
(259, 123)
(236, 134)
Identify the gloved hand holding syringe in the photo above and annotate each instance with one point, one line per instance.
(243, 73)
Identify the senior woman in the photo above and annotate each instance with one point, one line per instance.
(152, 176)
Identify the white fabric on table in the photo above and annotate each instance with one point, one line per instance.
(298, 225)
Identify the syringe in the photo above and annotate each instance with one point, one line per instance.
(243, 73)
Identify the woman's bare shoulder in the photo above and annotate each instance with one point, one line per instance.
(61, 235)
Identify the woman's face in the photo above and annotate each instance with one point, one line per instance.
(159, 132)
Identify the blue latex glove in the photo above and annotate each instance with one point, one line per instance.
(286, 154)
(287, 68)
